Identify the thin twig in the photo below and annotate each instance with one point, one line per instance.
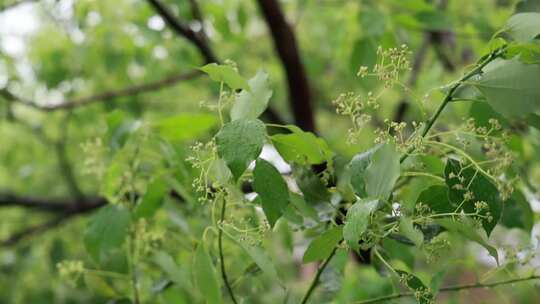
(449, 289)
(221, 256)
(315, 281)
(448, 97)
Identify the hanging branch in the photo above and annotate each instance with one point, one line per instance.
(450, 289)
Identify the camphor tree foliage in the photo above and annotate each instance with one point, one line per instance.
(346, 152)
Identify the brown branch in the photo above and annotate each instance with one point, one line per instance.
(64, 209)
(32, 230)
(184, 30)
(107, 95)
(287, 49)
(201, 42)
(53, 205)
(196, 12)
(271, 114)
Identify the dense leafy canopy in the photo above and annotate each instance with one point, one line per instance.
(230, 151)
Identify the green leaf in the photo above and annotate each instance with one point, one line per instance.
(528, 52)
(357, 167)
(463, 228)
(383, 172)
(226, 74)
(239, 143)
(312, 187)
(422, 294)
(258, 254)
(302, 207)
(357, 221)
(364, 53)
(462, 180)
(251, 104)
(151, 200)
(432, 164)
(528, 6)
(185, 126)
(436, 198)
(534, 121)
(407, 228)
(433, 20)
(302, 147)
(272, 190)
(119, 128)
(396, 250)
(323, 245)
(106, 231)
(174, 272)
(511, 87)
(482, 112)
(205, 275)
(437, 280)
(373, 22)
(523, 26)
(517, 212)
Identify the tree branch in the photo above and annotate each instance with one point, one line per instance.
(52, 205)
(201, 42)
(449, 289)
(64, 209)
(184, 30)
(106, 95)
(287, 49)
(37, 229)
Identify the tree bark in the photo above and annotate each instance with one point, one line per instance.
(287, 49)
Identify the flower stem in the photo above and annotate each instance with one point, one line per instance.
(221, 256)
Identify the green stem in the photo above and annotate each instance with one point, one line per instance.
(104, 273)
(221, 256)
(450, 94)
(449, 289)
(385, 263)
(413, 173)
(315, 281)
(132, 269)
(219, 104)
